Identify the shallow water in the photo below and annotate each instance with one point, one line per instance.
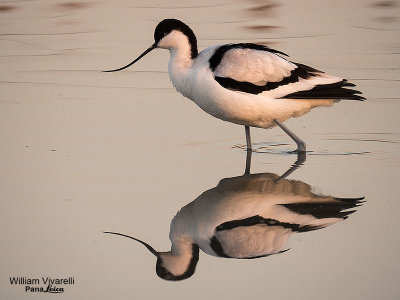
(85, 151)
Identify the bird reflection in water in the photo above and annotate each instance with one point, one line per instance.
(246, 217)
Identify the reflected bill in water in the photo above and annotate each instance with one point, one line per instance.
(246, 217)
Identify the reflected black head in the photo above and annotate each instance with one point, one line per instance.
(168, 25)
(163, 273)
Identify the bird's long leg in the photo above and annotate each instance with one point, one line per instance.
(301, 158)
(301, 146)
(248, 161)
(248, 138)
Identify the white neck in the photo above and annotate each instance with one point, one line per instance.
(179, 66)
(180, 60)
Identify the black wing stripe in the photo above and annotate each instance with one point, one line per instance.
(336, 90)
(302, 71)
(258, 220)
(216, 59)
(239, 223)
(242, 86)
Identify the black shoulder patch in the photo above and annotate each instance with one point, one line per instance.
(217, 247)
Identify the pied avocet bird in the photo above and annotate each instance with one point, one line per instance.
(246, 84)
(245, 217)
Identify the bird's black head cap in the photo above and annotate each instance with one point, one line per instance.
(168, 25)
(163, 273)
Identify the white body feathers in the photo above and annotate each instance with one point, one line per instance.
(194, 79)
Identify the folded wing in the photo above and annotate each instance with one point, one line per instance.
(255, 69)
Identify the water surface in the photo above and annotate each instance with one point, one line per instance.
(85, 151)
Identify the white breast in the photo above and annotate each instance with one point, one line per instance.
(195, 80)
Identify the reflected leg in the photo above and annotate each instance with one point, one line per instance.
(248, 161)
(301, 158)
(248, 138)
(301, 146)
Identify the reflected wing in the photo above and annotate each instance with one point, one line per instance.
(250, 241)
(258, 236)
(254, 237)
(255, 69)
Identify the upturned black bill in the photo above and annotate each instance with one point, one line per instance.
(151, 249)
(140, 56)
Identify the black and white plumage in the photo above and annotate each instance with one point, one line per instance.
(272, 73)
(246, 217)
(244, 83)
